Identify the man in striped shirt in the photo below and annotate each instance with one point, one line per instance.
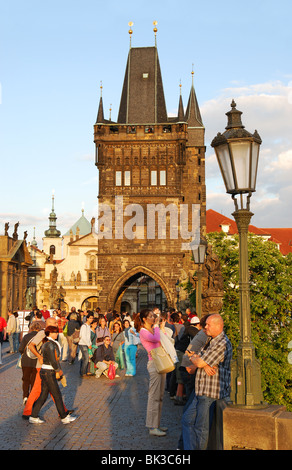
(212, 382)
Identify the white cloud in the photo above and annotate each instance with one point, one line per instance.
(266, 107)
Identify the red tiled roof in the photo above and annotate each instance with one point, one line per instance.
(281, 236)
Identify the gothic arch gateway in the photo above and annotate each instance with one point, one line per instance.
(120, 286)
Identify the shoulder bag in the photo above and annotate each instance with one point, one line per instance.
(76, 336)
(162, 360)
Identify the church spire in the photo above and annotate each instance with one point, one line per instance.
(193, 115)
(52, 231)
(34, 242)
(181, 113)
(100, 114)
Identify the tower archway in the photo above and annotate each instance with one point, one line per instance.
(127, 279)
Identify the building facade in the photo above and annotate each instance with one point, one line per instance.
(64, 273)
(14, 263)
(152, 195)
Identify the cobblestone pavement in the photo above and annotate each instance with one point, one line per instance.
(110, 413)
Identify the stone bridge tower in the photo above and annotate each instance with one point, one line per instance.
(152, 196)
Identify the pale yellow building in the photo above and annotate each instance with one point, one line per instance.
(64, 272)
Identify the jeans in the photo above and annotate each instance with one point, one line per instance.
(49, 385)
(84, 360)
(188, 381)
(196, 422)
(13, 342)
(130, 353)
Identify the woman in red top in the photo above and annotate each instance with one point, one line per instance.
(3, 326)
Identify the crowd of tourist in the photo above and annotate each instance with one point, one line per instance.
(105, 344)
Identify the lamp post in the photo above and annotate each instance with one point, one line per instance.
(199, 252)
(237, 153)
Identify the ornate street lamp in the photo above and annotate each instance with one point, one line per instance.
(199, 253)
(237, 153)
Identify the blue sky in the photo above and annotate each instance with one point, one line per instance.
(53, 56)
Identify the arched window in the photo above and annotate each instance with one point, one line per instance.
(92, 262)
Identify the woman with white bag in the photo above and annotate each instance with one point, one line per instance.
(149, 330)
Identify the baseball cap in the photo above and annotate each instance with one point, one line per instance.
(195, 319)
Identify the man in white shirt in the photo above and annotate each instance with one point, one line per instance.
(85, 344)
(11, 330)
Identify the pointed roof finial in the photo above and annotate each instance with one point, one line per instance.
(110, 112)
(234, 117)
(53, 199)
(34, 242)
(155, 31)
(100, 115)
(181, 114)
(193, 74)
(130, 32)
(180, 85)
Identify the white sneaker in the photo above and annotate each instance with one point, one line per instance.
(68, 419)
(35, 420)
(157, 432)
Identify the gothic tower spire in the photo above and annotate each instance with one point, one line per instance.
(181, 113)
(100, 114)
(142, 99)
(193, 115)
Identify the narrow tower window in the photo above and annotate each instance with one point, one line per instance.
(162, 178)
(127, 178)
(153, 178)
(118, 178)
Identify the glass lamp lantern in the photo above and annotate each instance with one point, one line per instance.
(237, 152)
(199, 251)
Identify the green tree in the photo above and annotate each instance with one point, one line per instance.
(270, 307)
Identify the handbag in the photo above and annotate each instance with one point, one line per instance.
(76, 336)
(29, 353)
(111, 371)
(168, 346)
(162, 360)
(65, 329)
